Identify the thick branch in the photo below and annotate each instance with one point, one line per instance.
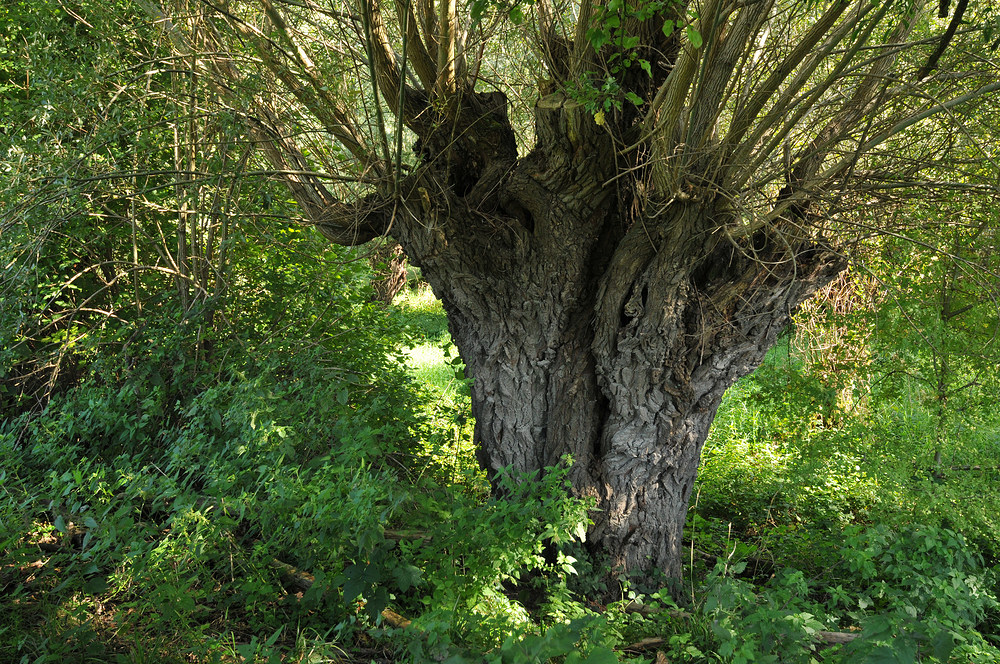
(315, 97)
(729, 43)
(386, 71)
(446, 22)
(805, 102)
(383, 59)
(744, 116)
(582, 50)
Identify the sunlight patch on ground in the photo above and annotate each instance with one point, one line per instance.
(428, 364)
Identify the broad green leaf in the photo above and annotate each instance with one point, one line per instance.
(95, 585)
(693, 36)
(598, 37)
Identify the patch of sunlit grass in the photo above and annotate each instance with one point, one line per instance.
(422, 312)
(429, 364)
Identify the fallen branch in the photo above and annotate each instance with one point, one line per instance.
(645, 644)
(293, 578)
(646, 610)
(398, 535)
(830, 639)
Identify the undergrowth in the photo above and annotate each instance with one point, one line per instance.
(325, 505)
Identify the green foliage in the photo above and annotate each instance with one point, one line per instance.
(175, 492)
(600, 92)
(776, 459)
(915, 595)
(479, 550)
(246, 461)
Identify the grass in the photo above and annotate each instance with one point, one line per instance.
(433, 362)
(432, 359)
(418, 309)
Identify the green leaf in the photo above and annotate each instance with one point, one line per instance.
(598, 38)
(634, 98)
(378, 601)
(60, 524)
(353, 588)
(95, 585)
(407, 576)
(601, 655)
(478, 8)
(694, 37)
(942, 645)
(668, 28)
(271, 640)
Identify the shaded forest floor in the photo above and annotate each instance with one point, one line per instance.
(325, 506)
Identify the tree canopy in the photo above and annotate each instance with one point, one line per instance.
(791, 111)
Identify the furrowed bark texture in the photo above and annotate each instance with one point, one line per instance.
(607, 287)
(592, 332)
(388, 272)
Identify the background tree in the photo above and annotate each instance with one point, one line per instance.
(937, 330)
(388, 271)
(615, 256)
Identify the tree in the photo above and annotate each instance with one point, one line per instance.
(615, 252)
(388, 271)
(938, 330)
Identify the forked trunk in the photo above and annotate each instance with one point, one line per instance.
(606, 327)
(633, 405)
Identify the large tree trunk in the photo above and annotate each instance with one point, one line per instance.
(606, 288)
(589, 336)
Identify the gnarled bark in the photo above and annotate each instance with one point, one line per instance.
(605, 288)
(388, 271)
(613, 346)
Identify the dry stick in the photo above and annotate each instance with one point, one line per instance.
(825, 638)
(303, 581)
